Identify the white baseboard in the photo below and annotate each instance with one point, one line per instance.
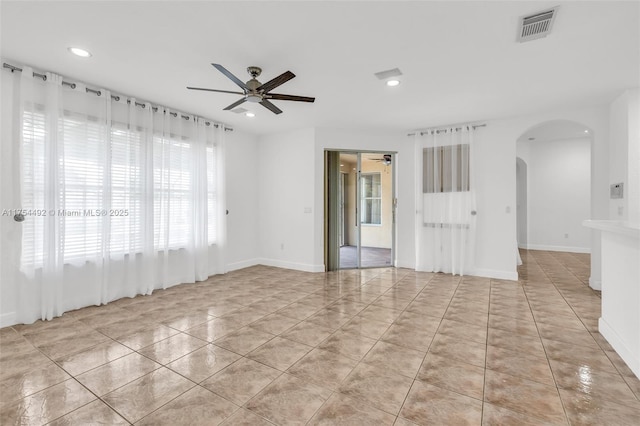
(499, 275)
(595, 284)
(242, 264)
(7, 319)
(558, 248)
(408, 265)
(291, 265)
(627, 355)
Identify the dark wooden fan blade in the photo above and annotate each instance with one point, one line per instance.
(215, 90)
(235, 104)
(265, 103)
(272, 84)
(281, 97)
(231, 77)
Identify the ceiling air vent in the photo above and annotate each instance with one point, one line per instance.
(537, 25)
(383, 75)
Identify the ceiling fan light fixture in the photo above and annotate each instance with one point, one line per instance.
(393, 82)
(79, 52)
(255, 92)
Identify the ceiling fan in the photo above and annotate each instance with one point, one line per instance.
(254, 91)
(386, 159)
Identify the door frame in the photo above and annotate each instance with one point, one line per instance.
(332, 263)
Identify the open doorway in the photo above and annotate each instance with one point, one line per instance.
(553, 187)
(361, 187)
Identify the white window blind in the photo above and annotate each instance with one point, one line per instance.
(371, 199)
(82, 167)
(172, 208)
(101, 170)
(212, 194)
(33, 171)
(126, 191)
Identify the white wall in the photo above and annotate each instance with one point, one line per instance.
(287, 204)
(521, 201)
(633, 171)
(624, 157)
(9, 230)
(498, 184)
(495, 174)
(618, 154)
(370, 140)
(242, 177)
(558, 193)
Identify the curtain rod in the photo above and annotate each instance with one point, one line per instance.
(438, 131)
(114, 97)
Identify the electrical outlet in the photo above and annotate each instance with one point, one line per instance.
(566, 235)
(281, 246)
(620, 210)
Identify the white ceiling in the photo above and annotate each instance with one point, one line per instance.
(460, 60)
(555, 130)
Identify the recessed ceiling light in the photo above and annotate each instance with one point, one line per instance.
(341, 165)
(586, 131)
(392, 83)
(79, 52)
(250, 114)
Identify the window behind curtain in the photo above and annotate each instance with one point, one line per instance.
(99, 174)
(212, 195)
(172, 183)
(126, 190)
(445, 169)
(371, 199)
(33, 167)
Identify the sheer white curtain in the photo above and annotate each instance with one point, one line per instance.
(119, 197)
(445, 201)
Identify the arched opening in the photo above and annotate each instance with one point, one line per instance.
(553, 189)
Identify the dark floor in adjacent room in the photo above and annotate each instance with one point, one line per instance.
(370, 257)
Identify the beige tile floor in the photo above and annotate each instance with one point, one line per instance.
(266, 346)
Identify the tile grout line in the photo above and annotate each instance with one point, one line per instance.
(564, 409)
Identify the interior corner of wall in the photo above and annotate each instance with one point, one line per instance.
(7, 319)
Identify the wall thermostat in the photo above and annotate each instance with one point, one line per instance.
(616, 190)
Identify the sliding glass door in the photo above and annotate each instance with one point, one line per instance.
(360, 210)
